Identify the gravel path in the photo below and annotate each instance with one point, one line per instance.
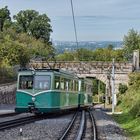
(48, 129)
(7, 107)
(107, 128)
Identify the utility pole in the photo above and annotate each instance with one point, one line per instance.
(98, 91)
(113, 86)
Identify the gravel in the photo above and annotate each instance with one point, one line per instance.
(47, 129)
(107, 128)
(7, 106)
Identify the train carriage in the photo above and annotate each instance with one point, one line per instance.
(86, 91)
(44, 91)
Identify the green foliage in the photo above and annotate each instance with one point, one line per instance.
(98, 87)
(134, 79)
(14, 51)
(30, 22)
(4, 17)
(95, 86)
(84, 54)
(131, 42)
(20, 48)
(25, 38)
(131, 98)
(66, 56)
(101, 87)
(122, 88)
(40, 28)
(101, 54)
(129, 124)
(130, 104)
(24, 19)
(7, 73)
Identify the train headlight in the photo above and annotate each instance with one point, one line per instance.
(33, 99)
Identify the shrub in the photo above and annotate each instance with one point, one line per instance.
(122, 88)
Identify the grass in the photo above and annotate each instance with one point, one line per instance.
(130, 124)
(129, 104)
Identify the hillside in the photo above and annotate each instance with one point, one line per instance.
(130, 105)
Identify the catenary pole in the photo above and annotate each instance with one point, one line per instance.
(113, 85)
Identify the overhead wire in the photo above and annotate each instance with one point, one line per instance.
(74, 23)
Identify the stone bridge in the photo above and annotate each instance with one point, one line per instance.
(100, 70)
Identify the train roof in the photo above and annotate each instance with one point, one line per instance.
(60, 71)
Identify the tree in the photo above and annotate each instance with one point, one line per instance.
(20, 48)
(131, 42)
(30, 22)
(110, 47)
(23, 20)
(40, 28)
(13, 51)
(4, 16)
(84, 54)
(66, 56)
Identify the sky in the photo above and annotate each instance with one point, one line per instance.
(96, 20)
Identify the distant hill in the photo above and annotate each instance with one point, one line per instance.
(62, 46)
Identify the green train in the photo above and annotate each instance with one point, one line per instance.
(50, 90)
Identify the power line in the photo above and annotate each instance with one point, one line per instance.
(74, 23)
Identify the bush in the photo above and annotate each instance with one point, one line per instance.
(7, 74)
(122, 88)
(135, 110)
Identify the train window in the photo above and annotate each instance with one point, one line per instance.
(62, 84)
(71, 85)
(76, 86)
(67, 84)
(82, 86)
(42, 82)
(57, 82)
(26, 82)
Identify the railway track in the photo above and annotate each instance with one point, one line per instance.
(17, 122)
(82, 126)
(8, 114)
(90, 127)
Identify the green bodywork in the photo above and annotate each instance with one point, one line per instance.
(49, 100)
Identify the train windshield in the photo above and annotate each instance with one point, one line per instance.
(26, 82)
(42, 82)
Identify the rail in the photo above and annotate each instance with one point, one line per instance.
(69, 126)
(18, 122)
(93, 126)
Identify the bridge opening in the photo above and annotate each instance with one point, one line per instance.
(99, 90)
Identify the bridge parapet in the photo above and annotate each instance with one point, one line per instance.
(85, 66)
(100, 70)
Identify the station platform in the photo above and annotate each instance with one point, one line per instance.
(7, 109)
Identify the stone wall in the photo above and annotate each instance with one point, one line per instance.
(7, 93)
(100, 70)
(84, 67)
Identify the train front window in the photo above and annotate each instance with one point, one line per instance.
(26, 82)
(42, 82)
